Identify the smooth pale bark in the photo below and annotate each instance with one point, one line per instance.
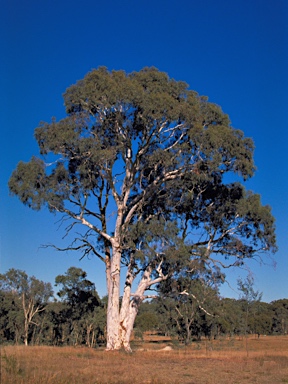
(113, 340)
(28, 314)
(125, 313)
(130, 307)
(108, 271)
(127, 324)
(120, 323)
(26, 319)
(26, 333)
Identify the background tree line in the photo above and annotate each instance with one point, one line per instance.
(30, 314)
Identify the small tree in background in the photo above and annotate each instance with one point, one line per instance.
(248, 297)
(11, 317)
(280, 317)
(194, 293)
(82, 301)
(33, 294)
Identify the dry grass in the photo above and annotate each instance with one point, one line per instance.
(221, 361)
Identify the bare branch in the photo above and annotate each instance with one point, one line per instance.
(86, 247)
(198, 303)
(143, 297)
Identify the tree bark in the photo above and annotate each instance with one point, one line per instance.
(130, 307)
(113, 339)
(26, 320)
(108, 266)
(188, 331)
(26, 334)
(125, 311)
(127, 324)
(120, 323)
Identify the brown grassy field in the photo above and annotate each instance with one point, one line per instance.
(263, 360)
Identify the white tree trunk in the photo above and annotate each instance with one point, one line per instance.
(126, 324)
(26, 333)
(113, 339)
(130, 307)
(120, 323)
(26, 320)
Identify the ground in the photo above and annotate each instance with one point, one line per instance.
(226, 361)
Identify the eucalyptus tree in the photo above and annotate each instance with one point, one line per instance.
(31, 293)
(280, 316)
(248, 296)
(11, 318)
(139, 163)
(84, 307)
(195, 296)
(76, 290)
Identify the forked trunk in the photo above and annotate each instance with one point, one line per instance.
(120, 324)
(127, 314)
(130, 307)
(127, 324)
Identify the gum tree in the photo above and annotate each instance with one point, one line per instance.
(83, 303)
(33, 294)
(139, 163)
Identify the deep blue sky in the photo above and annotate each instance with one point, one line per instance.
(235, 52)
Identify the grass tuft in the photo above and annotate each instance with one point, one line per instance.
(11, 365)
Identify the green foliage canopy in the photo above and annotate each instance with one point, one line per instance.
(147, 147)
